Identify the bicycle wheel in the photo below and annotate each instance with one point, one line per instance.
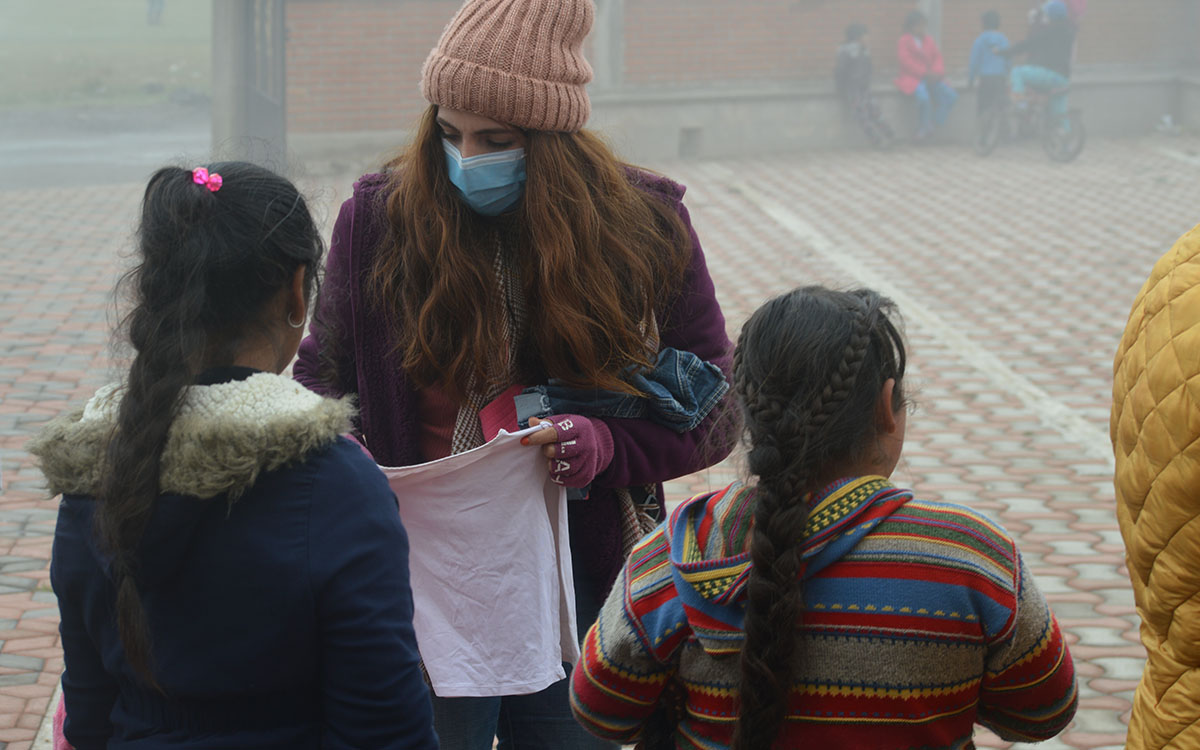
(1063, 140)
(1022, 123)
(990, 129)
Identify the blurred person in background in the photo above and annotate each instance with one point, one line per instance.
(1076, 9)
(1049, 47)
(923, 75)
(852, 76)
(509, 247)
(154, 12)
(231, 572)
(988, 67)
(1156, 440)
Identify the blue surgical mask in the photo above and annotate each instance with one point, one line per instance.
(489, 183)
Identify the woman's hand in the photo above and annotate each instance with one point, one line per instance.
(577, 448)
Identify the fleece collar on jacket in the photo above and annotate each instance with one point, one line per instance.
(224, 436)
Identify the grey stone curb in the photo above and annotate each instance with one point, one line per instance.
(44, 740)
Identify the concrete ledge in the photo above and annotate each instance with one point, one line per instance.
(653, 123)
(732, 122)
(356, 152)
(44, 739)
(1187, 104)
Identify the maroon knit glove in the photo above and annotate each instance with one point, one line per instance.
(584, 449)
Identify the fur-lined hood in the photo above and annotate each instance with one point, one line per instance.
(224, 436)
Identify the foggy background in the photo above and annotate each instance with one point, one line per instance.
(1015, 274)
(93, 92)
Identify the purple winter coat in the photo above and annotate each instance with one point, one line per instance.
(643, 452)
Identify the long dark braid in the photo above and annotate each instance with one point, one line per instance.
(209, 264)
(808, 370)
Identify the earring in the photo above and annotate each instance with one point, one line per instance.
(295, 325)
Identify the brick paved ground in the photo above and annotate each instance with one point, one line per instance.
(1015, 277)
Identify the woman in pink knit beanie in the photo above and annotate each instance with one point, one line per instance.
(509, 247)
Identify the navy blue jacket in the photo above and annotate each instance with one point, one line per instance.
(282, 620)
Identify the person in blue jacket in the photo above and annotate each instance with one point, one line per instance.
(988, 67)
(231, 572)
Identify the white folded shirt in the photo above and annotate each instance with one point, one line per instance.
(490, 562)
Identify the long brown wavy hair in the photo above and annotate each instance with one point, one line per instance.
(598, 258)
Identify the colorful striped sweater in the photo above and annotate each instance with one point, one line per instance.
(920, 620)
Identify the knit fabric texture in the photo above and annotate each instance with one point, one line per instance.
(519, 62)
(919, 621)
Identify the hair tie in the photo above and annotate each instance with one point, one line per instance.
(201, 176)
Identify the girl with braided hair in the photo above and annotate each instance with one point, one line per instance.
(820, 606)
(230, 569)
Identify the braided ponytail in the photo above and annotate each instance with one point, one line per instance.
(808, 369)
(210, 262)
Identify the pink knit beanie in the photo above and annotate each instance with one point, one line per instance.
(519, 62)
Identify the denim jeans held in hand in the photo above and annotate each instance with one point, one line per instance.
(681, 391)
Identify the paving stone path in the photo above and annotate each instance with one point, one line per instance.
(1014, 275)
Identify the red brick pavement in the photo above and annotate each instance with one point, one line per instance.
(58, 252)
(1015, 276)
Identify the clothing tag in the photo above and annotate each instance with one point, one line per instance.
(500, 414)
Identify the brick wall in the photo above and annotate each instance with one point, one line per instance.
(703, 41)
(734, 41)
(354, 64)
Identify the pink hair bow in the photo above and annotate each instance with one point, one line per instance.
(201, 176)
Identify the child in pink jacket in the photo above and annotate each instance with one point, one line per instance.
(923, 75)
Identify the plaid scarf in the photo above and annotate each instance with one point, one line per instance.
(468, 431)
(637, 518)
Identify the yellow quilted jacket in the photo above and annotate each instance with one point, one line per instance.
(1156, 437)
